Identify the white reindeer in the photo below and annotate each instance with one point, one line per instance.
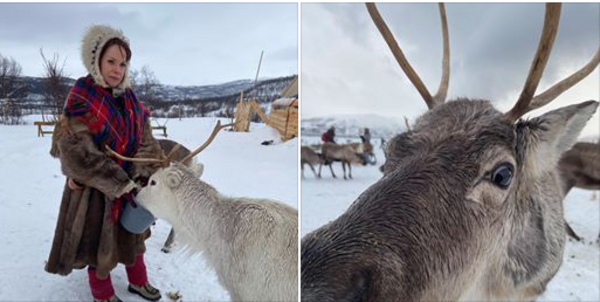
(251, 243)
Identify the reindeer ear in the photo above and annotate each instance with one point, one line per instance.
(197, 168)
(173, 178)
(542, 140)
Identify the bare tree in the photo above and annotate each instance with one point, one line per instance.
(55, 86)
(145, 83)
(12, 91)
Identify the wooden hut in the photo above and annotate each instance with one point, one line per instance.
(284, 111)
(284, 117)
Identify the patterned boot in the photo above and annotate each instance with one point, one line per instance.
(138, 280)
(145, 291)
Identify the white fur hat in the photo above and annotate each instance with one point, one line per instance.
(92, 43)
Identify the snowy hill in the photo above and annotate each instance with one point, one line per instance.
(170, 93)
(236, 164)
(352, 125)
(265, 89)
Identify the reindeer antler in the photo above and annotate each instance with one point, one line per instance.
(526, 103)
(212, 136)
(553, 92)
(112, 153)
(440, 96)
(536, 70)
(165, 161)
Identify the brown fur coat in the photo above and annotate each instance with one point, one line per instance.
(84, 233)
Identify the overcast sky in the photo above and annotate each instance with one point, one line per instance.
(348, 69)
(184, 44)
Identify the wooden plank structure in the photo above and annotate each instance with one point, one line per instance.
(283, 116)
(41, 126)
(242, 115)
(163, 128)
(41, 130)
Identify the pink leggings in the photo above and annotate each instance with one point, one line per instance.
(102, 289)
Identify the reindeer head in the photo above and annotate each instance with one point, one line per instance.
(158, 195)
(469, 206)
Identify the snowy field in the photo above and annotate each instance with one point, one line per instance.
(31, 184)
(578, 279)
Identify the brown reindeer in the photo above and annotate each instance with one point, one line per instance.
(365, 150)
(310, 157)
(580, 167)
(469, 206)
(346, 154)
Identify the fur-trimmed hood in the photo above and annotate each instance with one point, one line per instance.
(92, 43)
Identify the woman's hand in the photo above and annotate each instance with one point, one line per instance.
(73, 185)
(131, 187)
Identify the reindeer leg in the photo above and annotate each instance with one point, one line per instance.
(320, 166)
(169, 242)
(344, 168)
(302, 169)
(349, 170)
(331, 168)
(571, 233)
(313, 169)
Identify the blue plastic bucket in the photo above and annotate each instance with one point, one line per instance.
(135, 218)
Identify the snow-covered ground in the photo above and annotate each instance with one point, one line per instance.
(578, 279)
(31, 182)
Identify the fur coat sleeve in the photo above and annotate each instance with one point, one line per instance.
(82, 161)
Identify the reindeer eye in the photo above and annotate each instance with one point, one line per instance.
(502, 175)
(152, 182)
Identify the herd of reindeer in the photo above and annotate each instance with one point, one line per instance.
(470, 204)
(347, 154)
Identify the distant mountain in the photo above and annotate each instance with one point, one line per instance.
(193, 100)
(216, 100)
(36, 86)
(171, 93)
(350, 126)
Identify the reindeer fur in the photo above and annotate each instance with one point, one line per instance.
(167, 145)
(344, 153)
(251, 243)
(310, 157)
(580, 167)
(436, 228)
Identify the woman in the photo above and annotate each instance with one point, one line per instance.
(102, 110)
(329, 135)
